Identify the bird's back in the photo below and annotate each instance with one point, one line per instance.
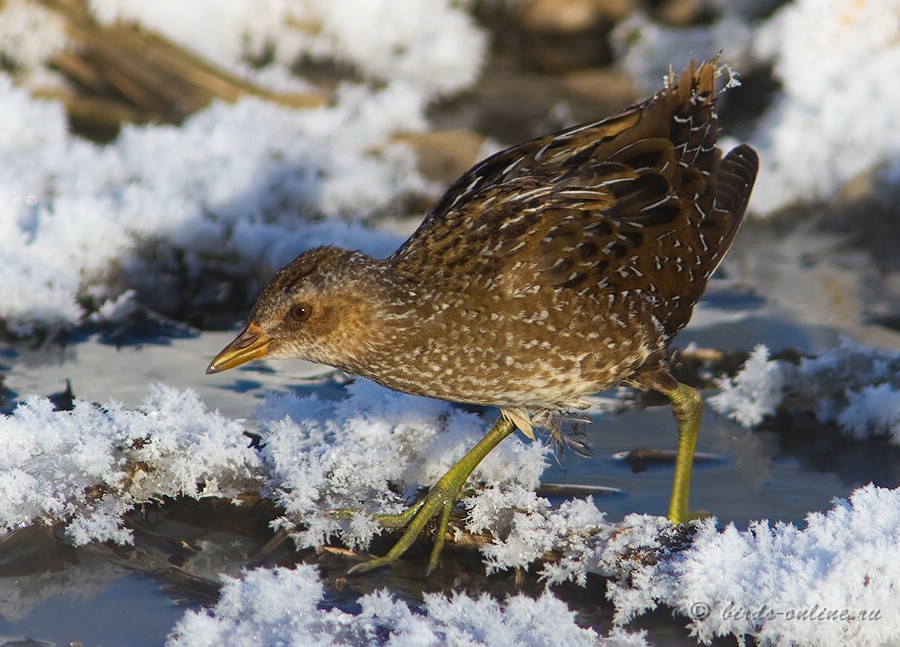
(640, 203)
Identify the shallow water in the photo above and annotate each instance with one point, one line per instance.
(128, 609)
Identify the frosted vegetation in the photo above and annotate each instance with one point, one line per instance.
(852, 386)
(88, 466)
(253, 611)
(235, 181)
(85, 229)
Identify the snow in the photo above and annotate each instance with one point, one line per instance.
(284, 607)
(88, 466)
(535, 528)
(780, 584)
(29, 36)
(434, 46)
(837, 116)
(241, 181)
(759, 582)
(251, 183)
(332, 455)
(832, 582)
(853, 386)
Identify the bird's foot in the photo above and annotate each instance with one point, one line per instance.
(439, 501)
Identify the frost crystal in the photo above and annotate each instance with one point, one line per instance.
(854, 386)
(755, 392)
(88, 466)
(833, 582)
(355, 453)
(285, 607)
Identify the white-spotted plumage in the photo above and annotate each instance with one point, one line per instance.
(552, 270)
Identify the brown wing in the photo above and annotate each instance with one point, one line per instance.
(639, 202)
(509, 198)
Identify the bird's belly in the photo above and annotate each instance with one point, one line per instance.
(537, 361)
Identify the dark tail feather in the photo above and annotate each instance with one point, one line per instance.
(734, 182)
(735, 178)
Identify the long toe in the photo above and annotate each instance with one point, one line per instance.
(439, 501)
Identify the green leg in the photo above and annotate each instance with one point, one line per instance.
(687, 408)
(440, 500)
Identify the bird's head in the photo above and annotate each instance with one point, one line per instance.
(322, 307)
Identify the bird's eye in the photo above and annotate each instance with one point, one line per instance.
(300, 312)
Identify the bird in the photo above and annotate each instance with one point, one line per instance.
(550, 271)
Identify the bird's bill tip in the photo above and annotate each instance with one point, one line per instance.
(251, 344)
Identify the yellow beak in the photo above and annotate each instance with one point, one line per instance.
(252, 343)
